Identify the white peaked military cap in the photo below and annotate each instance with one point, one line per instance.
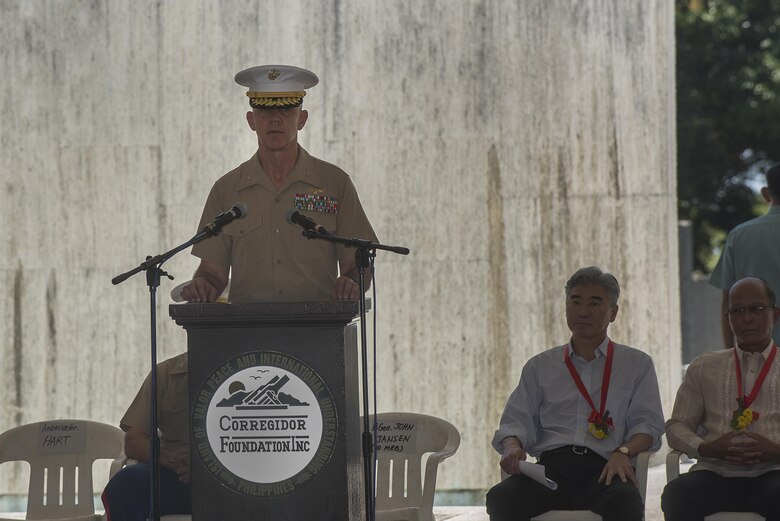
(276, 86)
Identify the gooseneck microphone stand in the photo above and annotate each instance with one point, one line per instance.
(153, 268)
(365, 251)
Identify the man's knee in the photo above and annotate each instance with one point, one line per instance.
(689, 497)
(496, 499)
(504, 502)
(671, 495)
(620, 501)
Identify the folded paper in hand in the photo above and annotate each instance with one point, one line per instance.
(536, 473)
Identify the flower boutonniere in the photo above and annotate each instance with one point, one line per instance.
(599, 426)
(742, 416)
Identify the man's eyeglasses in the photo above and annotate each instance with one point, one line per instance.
(740, 311)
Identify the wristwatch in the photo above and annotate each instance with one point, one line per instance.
(623, 450)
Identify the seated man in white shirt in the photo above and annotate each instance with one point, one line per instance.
(727, 415)
(584, 409)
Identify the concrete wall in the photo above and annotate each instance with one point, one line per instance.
(505, 143)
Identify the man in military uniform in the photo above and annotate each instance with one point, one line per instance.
(270, 260)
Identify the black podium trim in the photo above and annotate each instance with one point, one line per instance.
(193, 316)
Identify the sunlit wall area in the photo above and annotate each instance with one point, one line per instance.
(505, 143)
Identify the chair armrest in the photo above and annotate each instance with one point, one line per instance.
(432, 466)
(673, 465)
(642, 464)
(451, 447)
(440, 455)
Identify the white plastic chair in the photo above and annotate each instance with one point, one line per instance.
(673, 471)
(403, 441)
(61, 454)
(642, 463)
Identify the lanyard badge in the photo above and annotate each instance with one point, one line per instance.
(743, 415)
(599, 422)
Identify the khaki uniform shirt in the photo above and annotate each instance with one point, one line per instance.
(172, 405)
(270, 260)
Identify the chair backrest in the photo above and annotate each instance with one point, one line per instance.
(61, 454)
(404, 439)
(673, 471)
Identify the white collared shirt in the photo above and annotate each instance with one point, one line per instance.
(547, 411)
(751, 364)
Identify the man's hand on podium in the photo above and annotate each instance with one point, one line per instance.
(207, 283)
(345, 288)
(199, 290)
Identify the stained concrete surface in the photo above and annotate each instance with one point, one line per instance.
(505, 143)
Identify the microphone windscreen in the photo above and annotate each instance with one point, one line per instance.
(289, 215)
(241, 210)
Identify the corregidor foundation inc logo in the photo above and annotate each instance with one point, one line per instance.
(264, 424)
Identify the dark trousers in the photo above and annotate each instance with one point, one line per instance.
(700, 493)
(128, 493)
(519, 498)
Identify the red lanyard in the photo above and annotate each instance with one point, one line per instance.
(747, 400)
(604, 380)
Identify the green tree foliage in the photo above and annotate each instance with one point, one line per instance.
(728, 111)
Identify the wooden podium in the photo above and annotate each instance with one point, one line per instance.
(274, 411)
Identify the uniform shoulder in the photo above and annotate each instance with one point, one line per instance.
(232, 177)
(323, 167)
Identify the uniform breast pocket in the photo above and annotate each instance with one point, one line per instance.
(246, 237)
(316, 251)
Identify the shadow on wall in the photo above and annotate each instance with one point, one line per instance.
(699, 303)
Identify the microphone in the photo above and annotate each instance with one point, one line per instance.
(295, 217)
(238, 211)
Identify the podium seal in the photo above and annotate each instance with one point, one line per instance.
(264, 424)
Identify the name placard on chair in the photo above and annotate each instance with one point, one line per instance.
(62, 437)
(396, 437)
